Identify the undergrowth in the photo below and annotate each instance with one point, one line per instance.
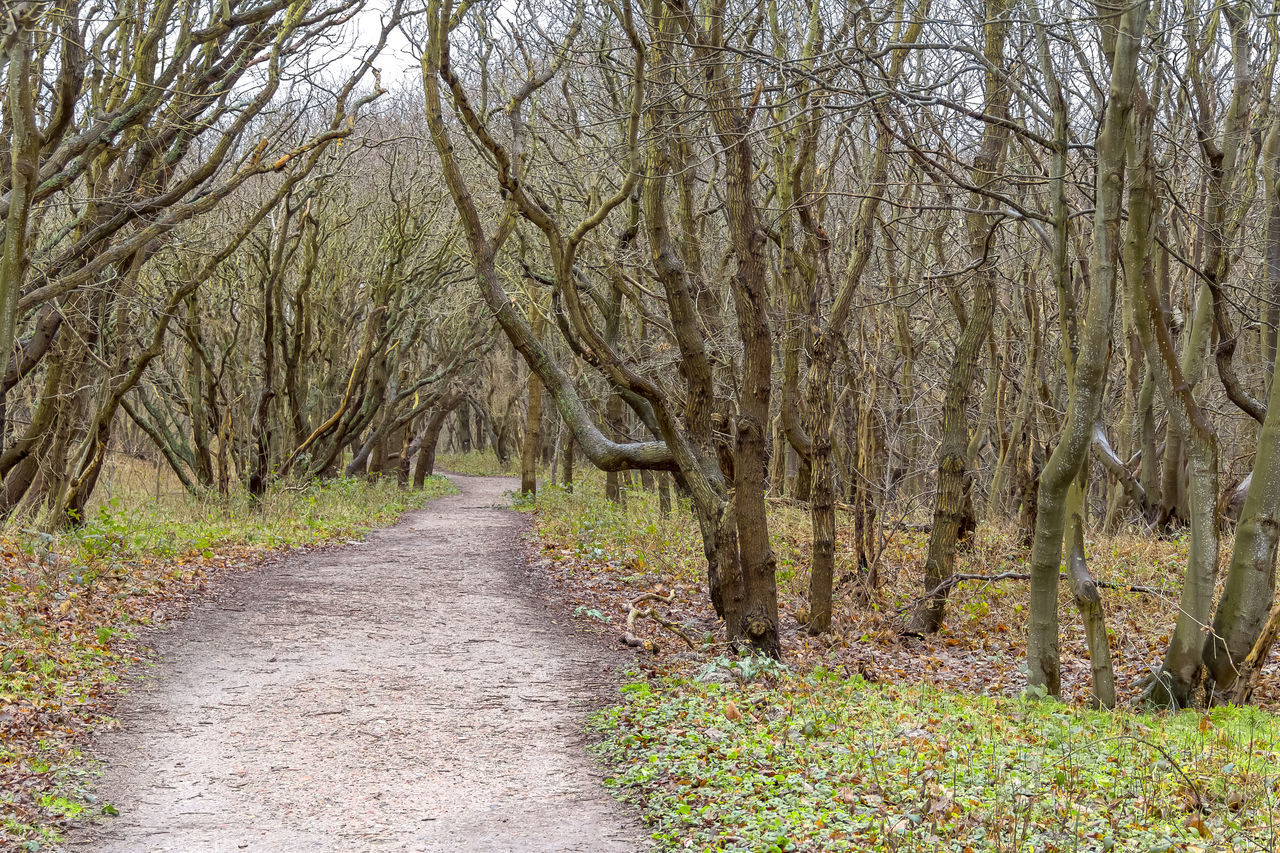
(631, 549)
(941, 752)
(71, 605)
(633, 536)
(477, 463)
(826, 763)
(288, 516)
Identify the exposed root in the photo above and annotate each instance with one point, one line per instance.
(629, 637)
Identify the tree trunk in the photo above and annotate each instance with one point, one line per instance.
(1175, 683)
(566, 463)
(949, 505)
(1271, 184)
(818, 410)
(1089, 602)
(405, 461)
(818, 391)
(24, 152)
(200, 384)
(532, 450)
(1014, 441)
(426, 463)
(1251, 667)
(1089, 373)
(1251, 577)
(260, 428)
(464, 427)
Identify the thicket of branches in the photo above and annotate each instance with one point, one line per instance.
(1001, 259)
(203, 249)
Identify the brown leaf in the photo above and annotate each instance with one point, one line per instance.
(1196, 822)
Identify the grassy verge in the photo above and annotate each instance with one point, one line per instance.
(71, 606)
(824, 763)
(477, 463)
(633, 536)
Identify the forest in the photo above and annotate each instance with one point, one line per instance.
(847, 351)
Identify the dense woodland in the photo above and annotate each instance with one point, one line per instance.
(926, 262)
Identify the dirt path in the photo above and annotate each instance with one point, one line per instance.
(407, 693)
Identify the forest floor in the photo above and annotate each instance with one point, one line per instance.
(437, 687)
(866, 740)
(410, 692)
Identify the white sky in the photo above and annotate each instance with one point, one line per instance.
(397, 62)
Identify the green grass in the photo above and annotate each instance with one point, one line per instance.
(634, 536)
(477, 463)
(822, 763)
(288, 516)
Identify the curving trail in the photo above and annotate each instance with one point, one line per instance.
(407, 693)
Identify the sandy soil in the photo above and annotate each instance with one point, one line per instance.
(408, 693)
